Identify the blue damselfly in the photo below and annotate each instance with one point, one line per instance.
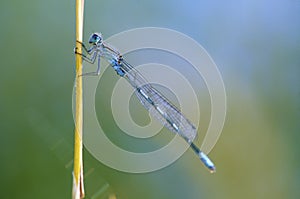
(151, 99)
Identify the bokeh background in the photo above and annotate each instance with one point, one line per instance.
(256, 46)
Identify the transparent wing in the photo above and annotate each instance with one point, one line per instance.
(158, 105)
(163, 110)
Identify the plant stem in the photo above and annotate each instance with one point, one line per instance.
(78, 188)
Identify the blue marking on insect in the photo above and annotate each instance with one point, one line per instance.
(118, 68)
(207, 162)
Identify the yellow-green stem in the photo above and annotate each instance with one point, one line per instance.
(78, 188)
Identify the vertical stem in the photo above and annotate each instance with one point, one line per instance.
(78, 189)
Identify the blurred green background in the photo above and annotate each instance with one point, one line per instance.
(256, 45)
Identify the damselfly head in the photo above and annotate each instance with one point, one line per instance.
(95, 38)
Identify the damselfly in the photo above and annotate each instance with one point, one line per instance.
(158, 105)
